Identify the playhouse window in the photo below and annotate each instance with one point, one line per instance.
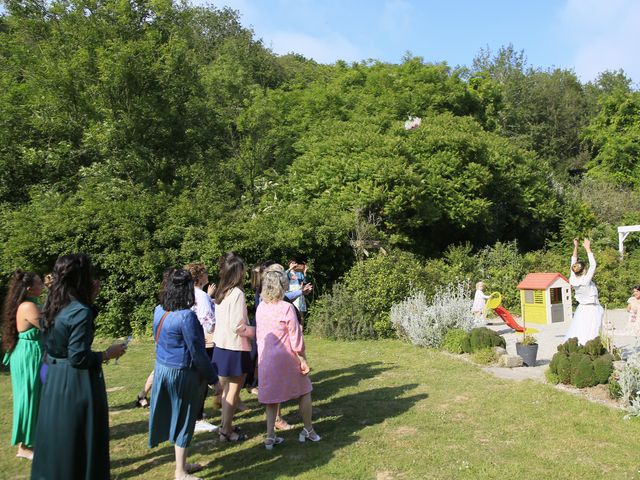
(533, 296)
(556, 295)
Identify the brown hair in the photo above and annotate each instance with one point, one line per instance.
(196, 269)
(578, 267)
(231, 275)
(17, 293)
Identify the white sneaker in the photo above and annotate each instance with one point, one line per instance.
(204, 426)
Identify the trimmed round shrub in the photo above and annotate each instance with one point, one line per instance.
(594, 348)
(603, 368)
(483, 337)
(564, 369)
(582, 373)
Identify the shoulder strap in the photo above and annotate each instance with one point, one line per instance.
(160, 324)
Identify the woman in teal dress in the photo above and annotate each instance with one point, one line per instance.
(21, 342)
(72, 435)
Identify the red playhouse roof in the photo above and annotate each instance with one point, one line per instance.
(539, 281)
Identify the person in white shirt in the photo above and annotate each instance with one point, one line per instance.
(587, 319)
(479, 302)
(204, 310)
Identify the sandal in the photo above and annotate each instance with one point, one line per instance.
(308, 435)
(240, 437)
(269, 442)
(142, 402)
(282, 425)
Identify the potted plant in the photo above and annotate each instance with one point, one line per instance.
(528, 349)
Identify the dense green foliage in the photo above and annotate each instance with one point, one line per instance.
(453, 340)
(155, 133)
(581, 366)
(482, 338)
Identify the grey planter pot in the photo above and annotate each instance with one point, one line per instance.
(528, 353)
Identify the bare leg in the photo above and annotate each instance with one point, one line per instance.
(272, 409)
(24, 452)
(230, 400)
(147, 386)
(181, 461)
(304, 404)
(224, 383)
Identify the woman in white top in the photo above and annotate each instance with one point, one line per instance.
(232, 337)
(587, 318)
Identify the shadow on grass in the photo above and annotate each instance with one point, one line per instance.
(337, 418)
(338, 425)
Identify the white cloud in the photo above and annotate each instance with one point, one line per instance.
(605, 35)
(322, 49)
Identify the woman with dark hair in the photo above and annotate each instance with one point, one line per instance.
(21, 342)
(72, 435)
(587, 318)
(142, 400)
(182, 367)
(232, 337)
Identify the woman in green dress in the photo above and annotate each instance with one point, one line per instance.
(21, 342)
(72, 435)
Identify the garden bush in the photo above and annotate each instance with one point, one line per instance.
(485, 356)
(423, 322)
(365, 296)
(581, 366)
(453, 340)
(483, 337)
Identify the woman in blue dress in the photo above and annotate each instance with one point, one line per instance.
(182, 368)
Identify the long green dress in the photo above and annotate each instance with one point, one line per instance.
(24, 365)
(72, 435)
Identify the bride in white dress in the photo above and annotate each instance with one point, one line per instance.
(587, 318)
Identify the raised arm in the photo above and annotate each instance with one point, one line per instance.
(574, 256)
(592, 261)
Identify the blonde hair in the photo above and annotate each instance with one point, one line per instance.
(274, 283)
(479, 284)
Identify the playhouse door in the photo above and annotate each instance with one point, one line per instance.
(557, 313)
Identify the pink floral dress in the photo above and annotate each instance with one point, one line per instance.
(279, 338)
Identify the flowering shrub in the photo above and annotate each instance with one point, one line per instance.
(426, 323)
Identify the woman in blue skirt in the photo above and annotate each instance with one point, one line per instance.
(182, 369)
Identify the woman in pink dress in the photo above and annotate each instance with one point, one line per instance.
(282, 365)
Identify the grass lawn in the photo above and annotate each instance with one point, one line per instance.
(385, 410)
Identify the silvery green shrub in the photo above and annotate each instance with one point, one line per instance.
(630, 385)
(425, 322)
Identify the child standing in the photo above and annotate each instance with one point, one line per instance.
(479, 302)
(632, 307)
(297, 280)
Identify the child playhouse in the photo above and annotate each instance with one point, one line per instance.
(545, 298)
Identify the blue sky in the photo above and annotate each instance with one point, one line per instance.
(588, 36)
